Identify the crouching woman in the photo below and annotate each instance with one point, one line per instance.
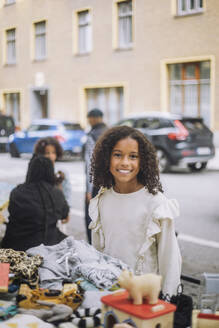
(35, 207)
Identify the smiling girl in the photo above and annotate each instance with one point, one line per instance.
(131, 218)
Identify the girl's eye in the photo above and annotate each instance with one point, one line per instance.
(133, 156)
(116, 154)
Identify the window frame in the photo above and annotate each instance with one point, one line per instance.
(198, 9)
(38, 35)
(11, 95)
(76, 30)
(10, 41)
(9, 2)
(120, 18)
(164, 90)
(185, 81)
(86, 28)
(115, 26)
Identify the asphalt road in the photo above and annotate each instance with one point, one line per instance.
(197, 226)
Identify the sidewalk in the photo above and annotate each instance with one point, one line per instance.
(213, 164)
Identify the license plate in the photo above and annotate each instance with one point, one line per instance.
(76, 149)
(3, 139)
(203, 151)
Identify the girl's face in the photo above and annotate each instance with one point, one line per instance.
(50, 152)
(125, 163)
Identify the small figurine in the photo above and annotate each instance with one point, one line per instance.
(139, 287)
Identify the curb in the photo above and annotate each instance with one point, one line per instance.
(213, 163)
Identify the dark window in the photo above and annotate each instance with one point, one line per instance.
(148, 123)
(164, 123)
(40, 127)
(70, 126)
(7, 124)
(194, 125)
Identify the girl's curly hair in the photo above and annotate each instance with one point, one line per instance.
(148, 175)
(40, 146)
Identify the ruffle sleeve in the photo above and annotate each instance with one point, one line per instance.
(97, 232)
(161, 229)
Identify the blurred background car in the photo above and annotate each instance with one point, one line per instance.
(177, 139)
(70, 135)
(7, 127)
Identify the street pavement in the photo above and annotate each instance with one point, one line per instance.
(199, 242)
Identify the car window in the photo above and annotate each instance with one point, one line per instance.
(41, 127)
(165, 123)
(194, 124)
(72, 126)
(7, 124)
(148, 123)
(129, 123)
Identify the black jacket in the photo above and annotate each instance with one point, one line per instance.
(97, 130)
(34, 210)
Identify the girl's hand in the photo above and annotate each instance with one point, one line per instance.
(66, 219)
(60, 176)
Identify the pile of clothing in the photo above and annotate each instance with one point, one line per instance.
(57, 286)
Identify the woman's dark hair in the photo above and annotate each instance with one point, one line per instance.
(148, 175)
(41, 144)
(40, 169)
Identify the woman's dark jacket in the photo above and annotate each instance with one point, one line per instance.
(34, 210)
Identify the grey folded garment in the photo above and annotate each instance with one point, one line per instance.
(75, 258)
(56, 312)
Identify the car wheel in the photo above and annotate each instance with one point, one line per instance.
(198, 166)
(13, 151)
(163, 161)
(67, 155)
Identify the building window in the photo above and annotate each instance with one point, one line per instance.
(189, 85)
(11, 46)
(187, 7)
(40, 40)
(108, 100)
(84, 32)
(9, 2)
(12, 105)
(125, 36)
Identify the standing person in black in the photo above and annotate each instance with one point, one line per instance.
(98, 127)
(35, 207)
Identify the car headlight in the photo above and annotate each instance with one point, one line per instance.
(83, 139)
(11, 138)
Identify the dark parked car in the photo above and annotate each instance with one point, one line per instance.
(70, 135)
(178, 139)
(7, 127)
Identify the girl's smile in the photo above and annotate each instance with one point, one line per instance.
(125, 165)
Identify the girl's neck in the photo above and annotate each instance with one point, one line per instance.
(127, 189)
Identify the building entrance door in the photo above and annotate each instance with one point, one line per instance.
(39, 104)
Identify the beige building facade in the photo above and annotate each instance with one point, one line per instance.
(60, 58)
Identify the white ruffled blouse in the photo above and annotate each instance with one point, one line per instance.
(138, 228)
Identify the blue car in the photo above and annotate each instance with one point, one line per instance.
(70, 135)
